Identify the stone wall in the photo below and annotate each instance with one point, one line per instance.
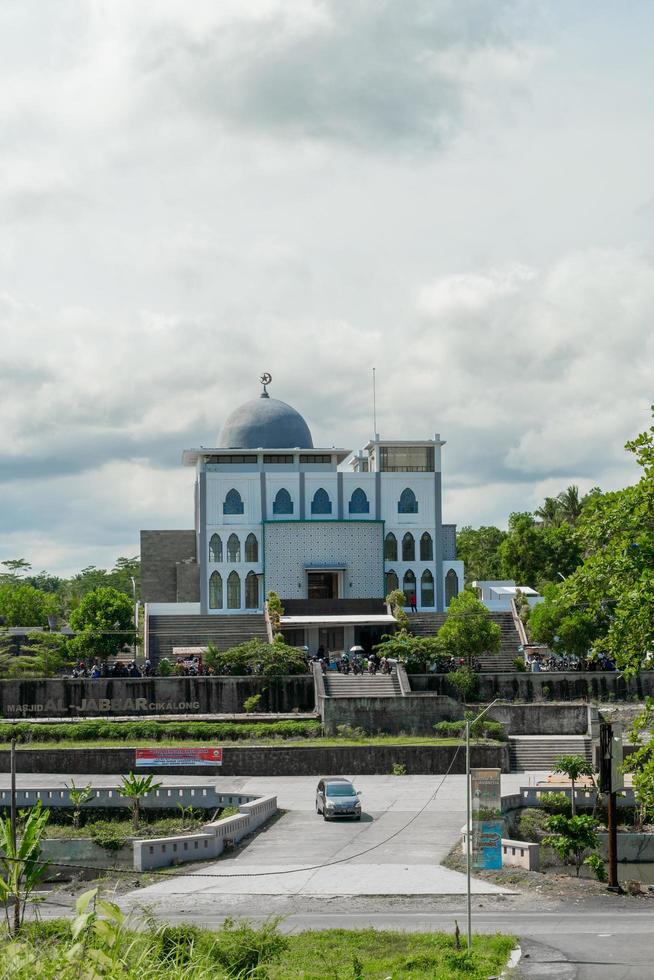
(546, 686)
(161, 551)
(411, 715)
(270, 761)
(65, 697)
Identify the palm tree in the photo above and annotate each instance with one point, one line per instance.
(549, 512)
(21, 867)
(134, 788)
(79, 795)
(571, 504)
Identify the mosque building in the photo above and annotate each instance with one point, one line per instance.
(331, 531)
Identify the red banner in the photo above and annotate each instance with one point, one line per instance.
(179, 757)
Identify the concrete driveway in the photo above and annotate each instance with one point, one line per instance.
(394, 850)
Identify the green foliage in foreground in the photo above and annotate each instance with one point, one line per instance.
(483, 728)
(100, 937)
(154, 731)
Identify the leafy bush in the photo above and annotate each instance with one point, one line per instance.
(98, 729)
(519, 665)
(252, 703)
(482, 728)
(399, 769)
(256, 657)
(240, 947)
(349, 731)
(105, 834)
(595, 863)
(555, 803)
(532, 825)
(465, 682)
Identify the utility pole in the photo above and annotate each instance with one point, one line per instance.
(12, 811)
(611, 781)
(469, 822)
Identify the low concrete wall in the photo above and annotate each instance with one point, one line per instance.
(411, 715)
(634, 848)
(109, 798)
(546, 686)
(65, 697)
(515, 853)
(542, 719)
(61, 852)
(269, 760)
(208, 844)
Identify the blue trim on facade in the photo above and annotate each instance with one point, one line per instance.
(303, 490)
(339, 492)
(378, 502)
(264, 506)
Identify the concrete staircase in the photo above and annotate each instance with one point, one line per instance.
(536, 752)
(428, 624)
(166, 632)
(361, 685)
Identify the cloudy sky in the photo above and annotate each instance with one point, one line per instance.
(459, 193)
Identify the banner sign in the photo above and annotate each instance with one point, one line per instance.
(487, 823)
(179, 757)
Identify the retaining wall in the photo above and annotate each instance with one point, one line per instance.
(546, 686)
(411, 715)
(268, 760)
(85, 698)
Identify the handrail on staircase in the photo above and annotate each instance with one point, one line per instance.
(520, 626)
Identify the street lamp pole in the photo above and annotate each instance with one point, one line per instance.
(469, 822)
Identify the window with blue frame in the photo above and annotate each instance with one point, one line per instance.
(408, 547)
(359, 503)
(390, 547)
(426, 547)
(427, 588)
(391, 582)
(321, 504)
(233, 503)
(251, 548)
(282, 504)
(233, 548)
(407, 504)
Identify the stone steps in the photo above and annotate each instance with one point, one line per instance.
(166, 632)
(428, 624)
(362, 685)
(536, 752)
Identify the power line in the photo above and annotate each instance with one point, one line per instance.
(255, 874)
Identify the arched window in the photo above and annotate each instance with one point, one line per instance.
(409, 586)
(390, 547)
(359, 502)
(233, 503)
(215, 591)
(427, 588)
(282, 504)
(391, 582)
(408, 547)
(251, 591)
(321, 504)
(233, 548)
(426, 547)
(407, 504)
(215, 548)
(451, 586)
(251, 548)
(233, 591)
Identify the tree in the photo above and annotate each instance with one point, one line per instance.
(571, 504)
(615, 583)
(41, 655)
(571, 837)
(573, 766)
(23, 605)
(397, 601)
(15, 568)
(255, 657)
(535, 554)
(415, 652)
(275, 612)
(641, 762)
(103, 623)
(21, 868)
(563, 629)
(79, 795)
(134, 788)
(480, 551)
(468, 630)
(550, 512)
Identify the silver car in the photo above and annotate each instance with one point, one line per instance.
(337, 797)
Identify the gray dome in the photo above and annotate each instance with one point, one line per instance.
(265, 423)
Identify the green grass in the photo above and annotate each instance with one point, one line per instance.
(275, 743)
(121, 826)
(238, 950)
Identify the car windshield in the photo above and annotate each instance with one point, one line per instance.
(340, 789)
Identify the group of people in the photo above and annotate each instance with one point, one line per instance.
(119, 668)
(536, 663)
(354, 663)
